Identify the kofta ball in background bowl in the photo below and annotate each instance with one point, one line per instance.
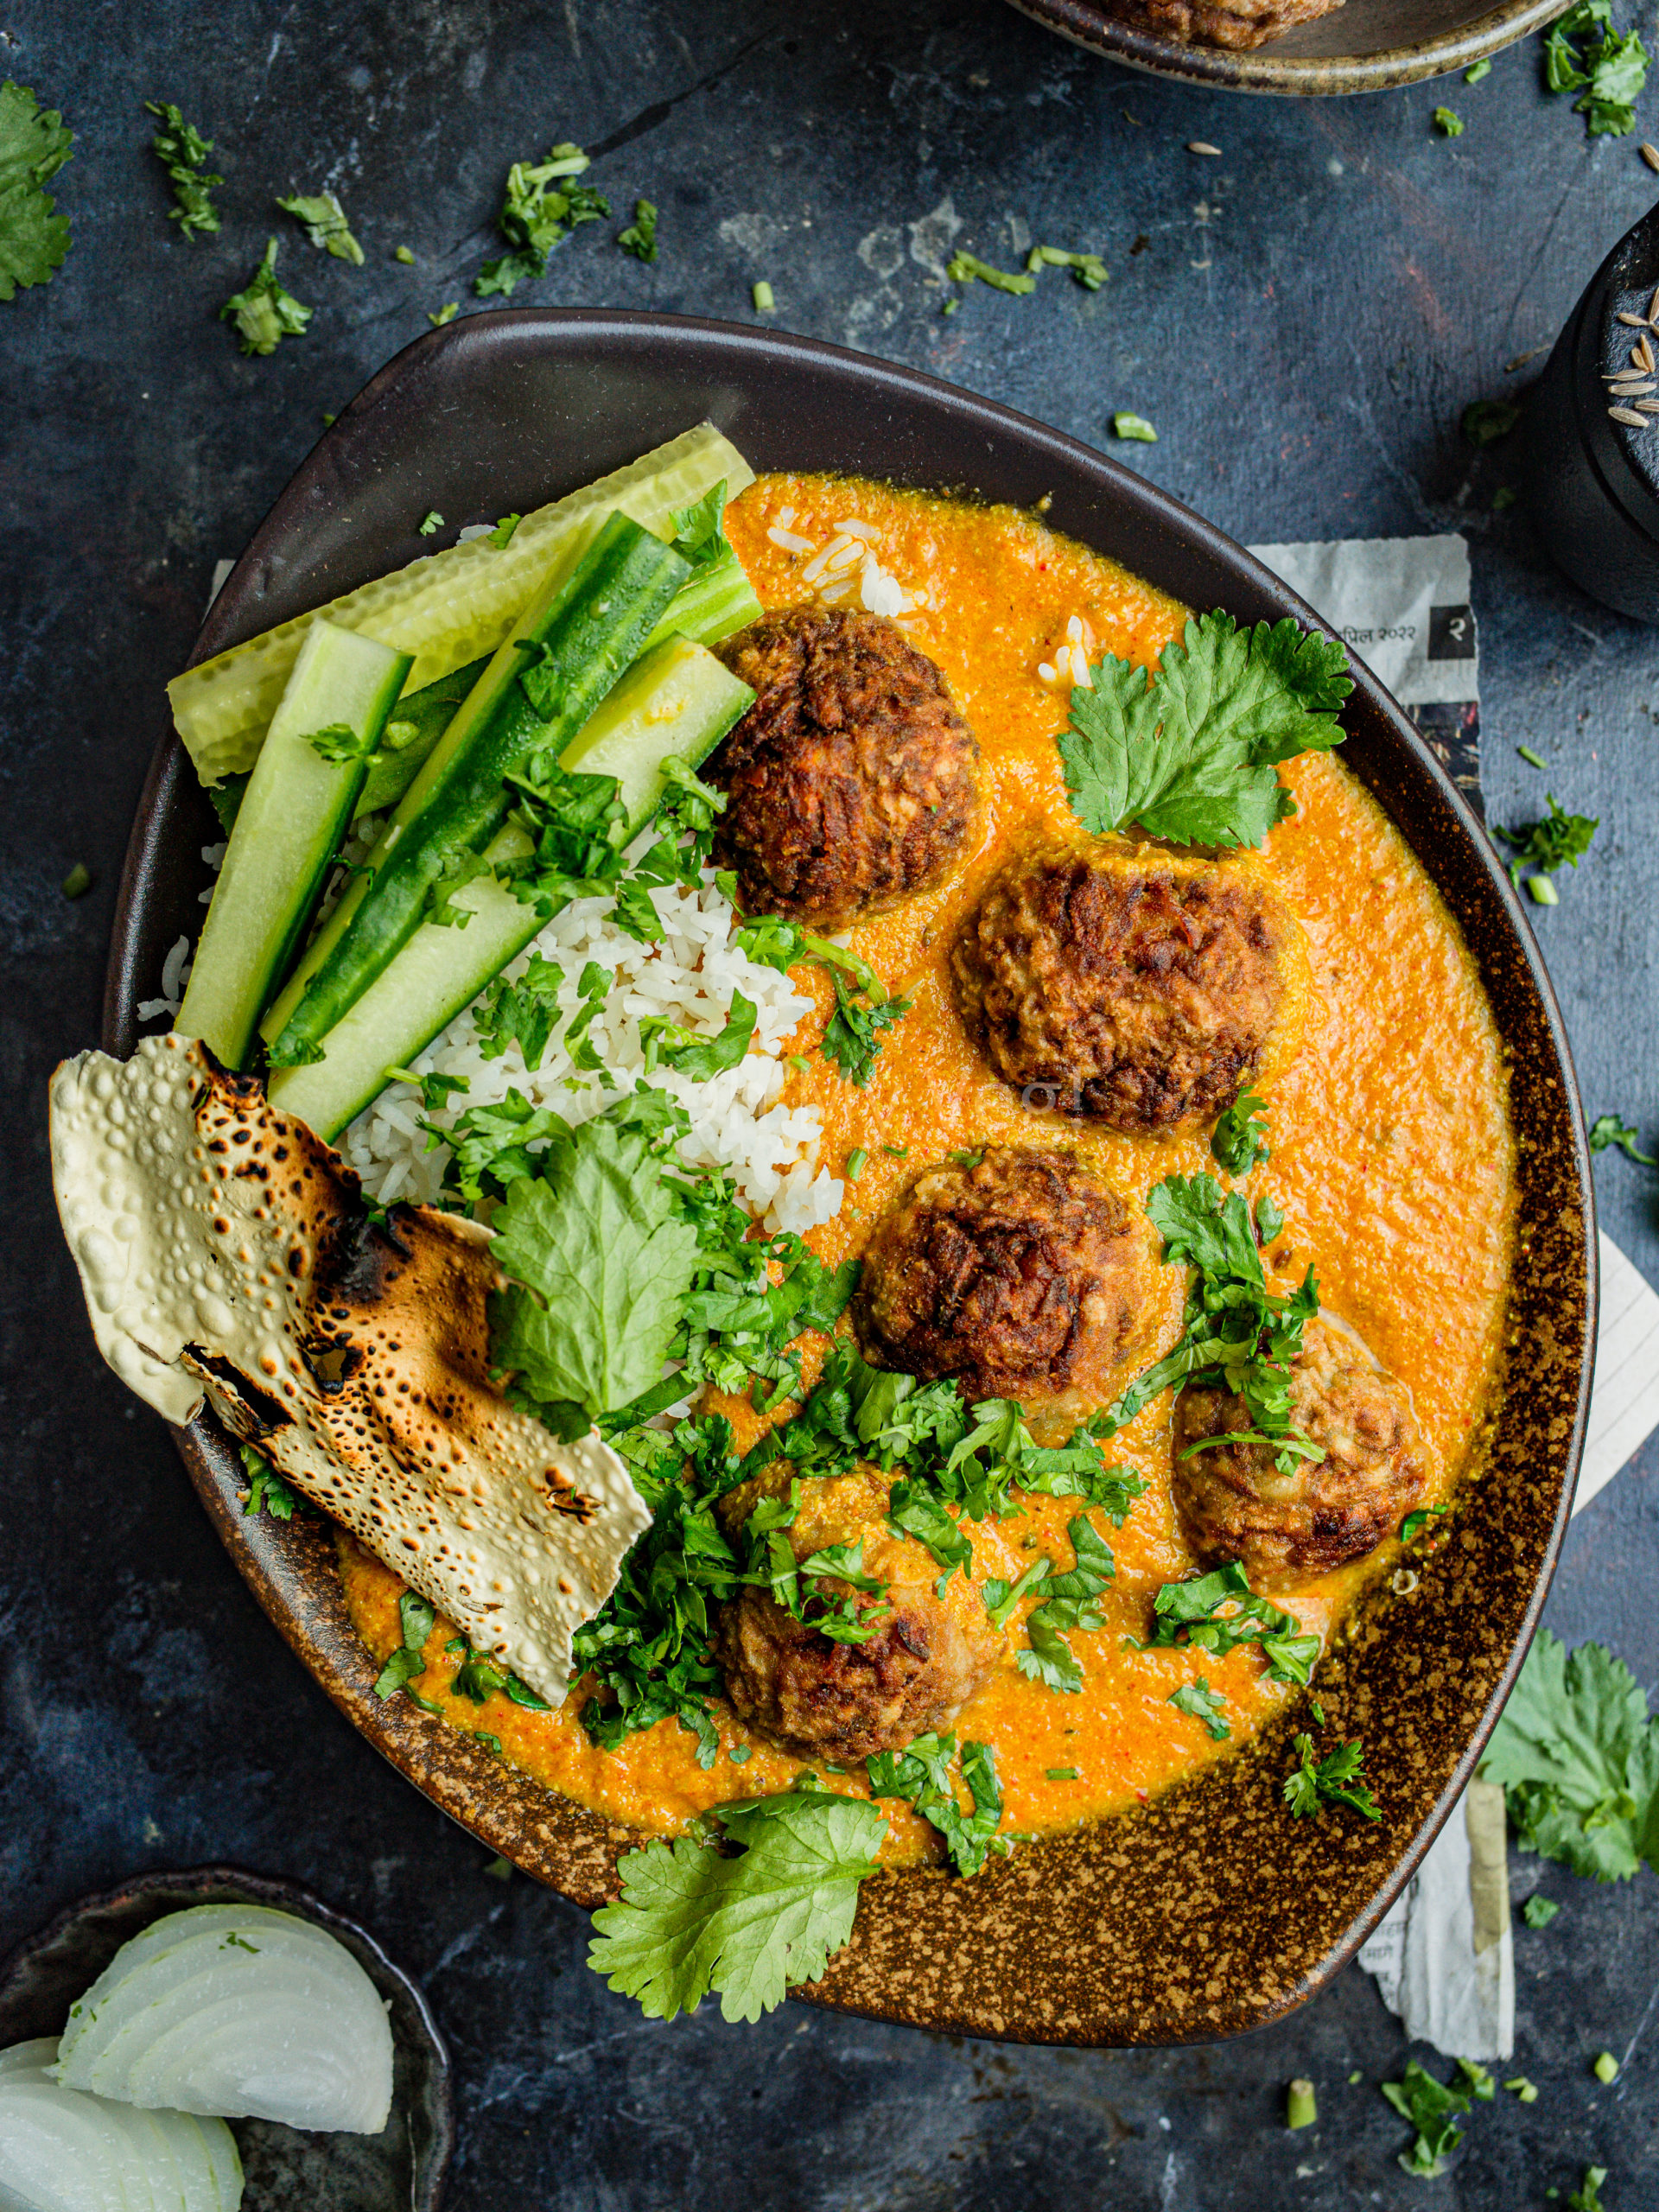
(853, 782)
(1131, 986)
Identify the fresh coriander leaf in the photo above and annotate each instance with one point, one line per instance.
(1448, 124)
(1482, 2085)
(691, 1052)
(492, 1146)
(699, 535)
(323, 220)
(920, 1775)
(967, 268)
(267, 1490)
(1476, 72)
(33, 147)
(1434, 2109)
(640, 238)
(1240, 1141)
(1001, 1597)
(416, 1617)
(1332, 1780)
(1190, 753)
(264, 313)
(340, 741)
(1197, 1698)
(1135, 427)
(398, 1672)
(1067, 1604)
(1486, 421)
(1561, 840)
(441, 317)
(851, 1038)
(436, 1089)
(1584, 53)
(1415, 1524)
(501, 536)
(1089, 269)
(429, 522)
(523, 1011)
(183, 152)
(601, 1262)
(542, 203)
(1587, 2196)
(689, 1921)
(1579, 1760)
(1539, 1911)
(1612, 1129)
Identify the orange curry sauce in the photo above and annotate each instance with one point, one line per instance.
(1392, 1161)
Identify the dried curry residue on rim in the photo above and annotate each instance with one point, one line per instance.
(1392, 1160)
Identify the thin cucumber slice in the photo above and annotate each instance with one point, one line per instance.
(685, 708)
(719, 600)
(289, 826)
(537, 693)
(450, 609)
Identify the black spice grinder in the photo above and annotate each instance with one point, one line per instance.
(1591, 459)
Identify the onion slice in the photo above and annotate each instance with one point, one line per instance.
(64, 2151)
(238, 2011)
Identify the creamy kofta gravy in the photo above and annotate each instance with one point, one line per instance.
(1392, 1161)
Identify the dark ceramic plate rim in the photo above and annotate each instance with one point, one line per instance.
(1091, 24)
(918, 1955)
(182, 1886)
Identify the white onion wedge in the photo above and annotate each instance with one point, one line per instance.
(64, 2151)
(238, 2011)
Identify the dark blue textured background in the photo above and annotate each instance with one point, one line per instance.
(1304, 319)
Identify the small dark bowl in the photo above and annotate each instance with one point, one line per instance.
(399, 2171)
(1209, 1910)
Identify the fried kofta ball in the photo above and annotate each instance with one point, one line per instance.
(1129, 987)
(819, 1697)
(1025, 1276)
(853, 782)
(1235, 1504)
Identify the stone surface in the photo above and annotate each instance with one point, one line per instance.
(1304, 319)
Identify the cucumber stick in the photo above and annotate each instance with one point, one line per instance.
(583, 631)
(680, 701)
(718, 601)
(289, 826)
(447, 609)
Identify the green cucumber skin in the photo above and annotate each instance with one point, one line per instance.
(441, 971)
(589, 645)
(431, 710)
(717, 602)
(293, 812)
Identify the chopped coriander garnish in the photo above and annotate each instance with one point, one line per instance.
(1318, 1711)
(1433, 2109)
(1063, 1773)
(436, 1089)
(740, 1754)
(1415, 1524)
(33, 147)
(1533, 760)
(1239, 1143)
(1482, 2087)
(1605, 2069)
(501, 536)
(855, 1159)
(323, 220)
(1356, 2078)
(1088, 269)
(1519, 2085)
(1447, 124)
(1192, 753)
(403, 255)
(1606, 1129)
(968, 269)
(1583, 54)
(1133, 427)
(499, 1869)
(1201, 1702)
(1332, 1780)
(266, 1489)
(1539, 1911)
(1189, 1614)
(1301, 2106)
(183, 152)
(761, 294)
(429, 521)
(1587, 2196)
(640, 238)
(79, 881)
(897, 1151)
(1561, 840)
(438, 316)
(1478, 70)
(264, 313)
(543, 204)
(920, 1775)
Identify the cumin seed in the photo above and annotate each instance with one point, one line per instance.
(1650, 155)
(1636, 321)
(1202, 146)
(1628, 414)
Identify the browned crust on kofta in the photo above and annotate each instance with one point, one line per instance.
(852, 783)
(1023, 1276)
(1132, 988)
(1225, 24)
(1235, 1504)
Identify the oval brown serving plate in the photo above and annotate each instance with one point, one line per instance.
(1365, 46)
(1209, 1910)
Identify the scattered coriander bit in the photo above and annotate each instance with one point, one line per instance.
(1485, 421)
(1302, 2106)
(1135, 427)
(329, 421)
(640, 237)
(1433, 2109)
(501, 536)
(323, 220)
(183, 152)
(1318, 1711)
(1579, 1760)
(1543, 891)
(1356, 2078)
(1605, 2068)
(855, 1160)
(429, 521)
(1561, 840)
(799, 1062)
(1533, 760)
(1583, 54)
(267, 1491)
(79, 881)
(950, 305)
(264, 313)
(1448, 125)
(1089, 269)
(403, 255)
(968, 269)
(499, 1869)
(740, 1754)
(447, 313)
(1587, 2196)
(542, 203)
(1606, 1129)
(897, 1151)
(1482, 2085)
(1239, 1143)
(1333, 1780)
(1063, 1773)
(1415, 1524)
(1519, 2085)
(920, 1774)
(1479, 69)
(1197, 1699)
(761, 294)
